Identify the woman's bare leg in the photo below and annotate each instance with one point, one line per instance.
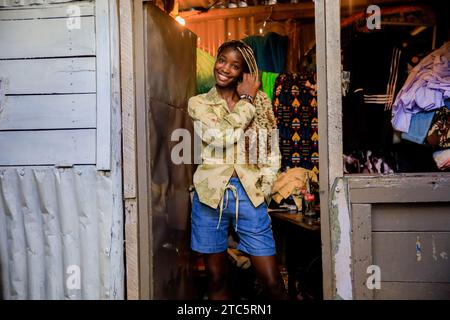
(217, 270)
(267, 271)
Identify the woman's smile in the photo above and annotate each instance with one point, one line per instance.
(228, 68)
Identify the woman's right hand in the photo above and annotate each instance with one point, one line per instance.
(249, 85)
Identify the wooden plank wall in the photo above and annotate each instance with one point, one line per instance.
(402, 225)
(48, 75)
(411, 245)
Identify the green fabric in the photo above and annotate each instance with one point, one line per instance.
(270, 51)
(205, 71)
(268, 82)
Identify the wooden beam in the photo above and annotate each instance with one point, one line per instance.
(129, 148)
(328, 48)
(103, 63)
(142, 154)
(400, 188)
(117, 250)
(277, 12)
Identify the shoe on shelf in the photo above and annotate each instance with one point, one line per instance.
(242, 4)
(232, 4)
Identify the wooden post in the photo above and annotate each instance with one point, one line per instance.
(327, 21)
(134, 120)
(129, 148)
(103, 85)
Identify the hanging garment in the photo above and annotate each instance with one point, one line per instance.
(295, 107)
(426, 88)
(268, 82)
(205, 71)
(376, 68)
(439, 133)
(270, 51)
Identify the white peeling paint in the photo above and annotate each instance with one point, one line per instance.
(433, 243)
(418, 249)
(3, 86)
(343, 254)
(444, 255)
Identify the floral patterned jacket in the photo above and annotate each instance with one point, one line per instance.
(244, 140)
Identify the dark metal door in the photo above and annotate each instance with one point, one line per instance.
(170, 81)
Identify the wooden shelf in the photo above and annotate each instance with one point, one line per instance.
(297, 219)
(275, 12)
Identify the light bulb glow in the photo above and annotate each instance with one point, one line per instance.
(180, 20)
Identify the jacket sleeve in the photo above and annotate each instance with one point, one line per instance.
(220, 132)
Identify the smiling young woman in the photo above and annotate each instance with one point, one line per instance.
(234, 105)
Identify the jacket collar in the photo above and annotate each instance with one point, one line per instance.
(212, 97)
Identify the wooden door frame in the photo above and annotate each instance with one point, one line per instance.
(138, 238)
(138, 222)
(328, 48)
(136, 152)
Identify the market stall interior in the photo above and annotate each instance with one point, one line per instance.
(395, 93)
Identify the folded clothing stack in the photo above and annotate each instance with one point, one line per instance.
(442, 159)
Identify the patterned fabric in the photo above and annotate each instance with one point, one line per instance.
(439, 133)
(295, 107)
(222, 132)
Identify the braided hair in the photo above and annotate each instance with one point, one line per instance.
(246, 52)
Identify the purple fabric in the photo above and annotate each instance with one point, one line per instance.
(427, 86)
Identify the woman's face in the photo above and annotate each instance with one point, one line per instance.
(228, 68)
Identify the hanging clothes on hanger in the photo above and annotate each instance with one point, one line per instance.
(270, 51)
(268, 82)
(205, 73)
(295, 107)
(376, 73)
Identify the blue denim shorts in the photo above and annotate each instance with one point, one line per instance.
(253, 228)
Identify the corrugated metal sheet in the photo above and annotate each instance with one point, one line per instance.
(212, 33)
(56, 229)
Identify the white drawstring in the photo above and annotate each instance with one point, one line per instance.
(235, 193)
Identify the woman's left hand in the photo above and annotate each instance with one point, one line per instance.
(249, 85)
